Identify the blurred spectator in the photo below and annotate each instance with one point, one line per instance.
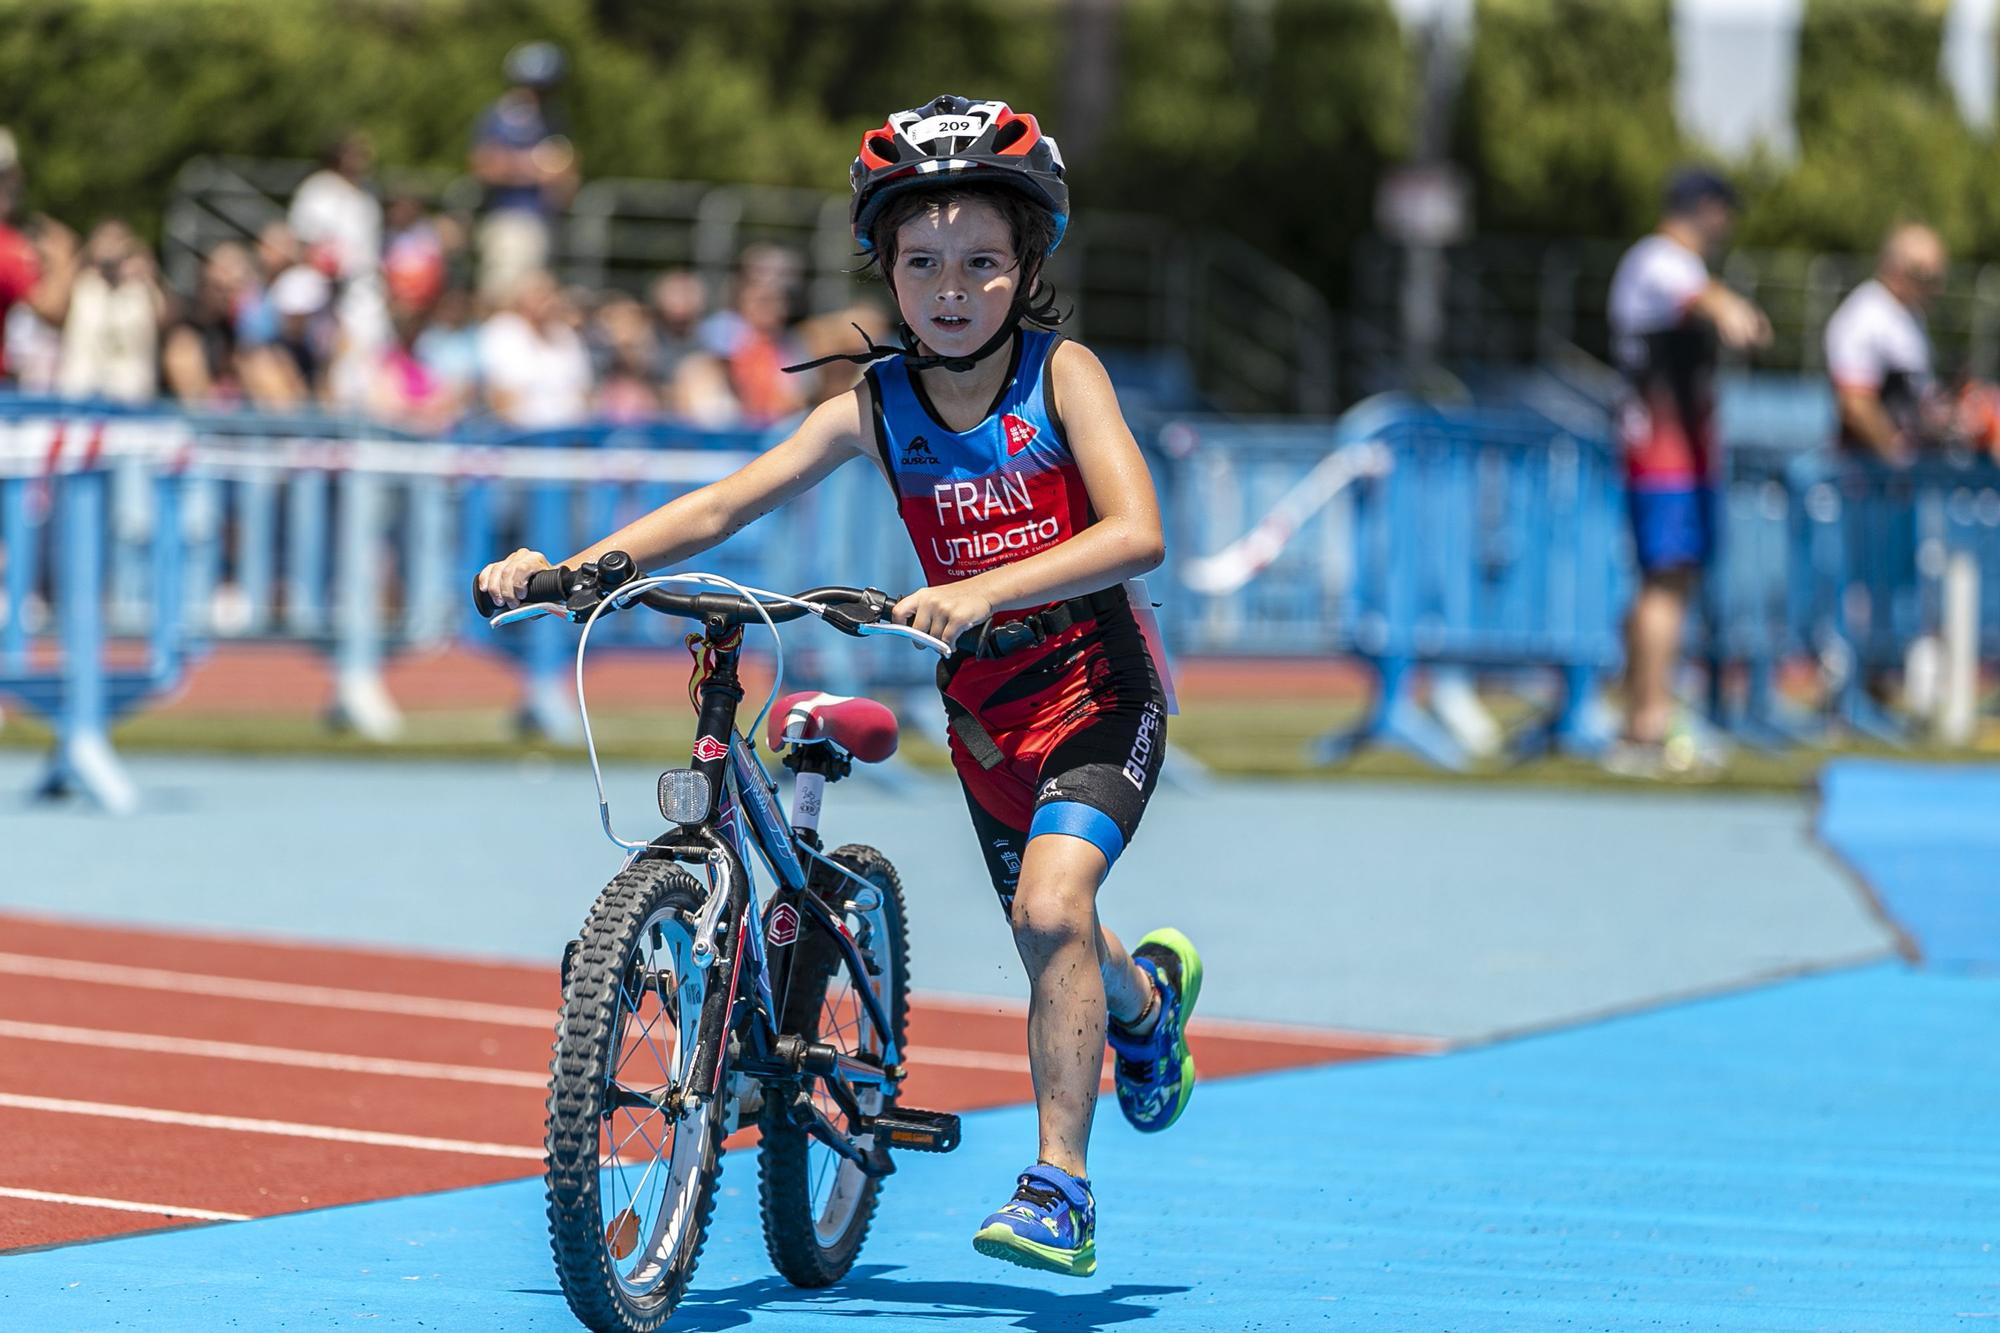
(764, 392)
(256, 318)
(761, 264)
(692, 381)
(31, 349)
(204, 358)
(1879, 353)
(528, 167)
(1667, 318)
(301, 304)
(37, 266)
(111, 337)
(334, 209)
(449, 343)
(622, 346)
(409, 394)
(414, 260)
(680, 303)
(750, 336)
(534, 367)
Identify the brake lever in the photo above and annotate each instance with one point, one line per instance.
(874, 609)
(515, 615)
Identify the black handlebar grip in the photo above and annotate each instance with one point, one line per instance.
(544, 585)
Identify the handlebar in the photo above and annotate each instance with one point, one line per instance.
(579, 591)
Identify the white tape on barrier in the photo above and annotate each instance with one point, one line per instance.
(42, 446)
(1251, 554)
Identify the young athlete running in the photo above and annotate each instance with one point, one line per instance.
(1029, 506)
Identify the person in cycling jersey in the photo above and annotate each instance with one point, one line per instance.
(1029, 505)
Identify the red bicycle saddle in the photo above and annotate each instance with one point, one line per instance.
(862, 727)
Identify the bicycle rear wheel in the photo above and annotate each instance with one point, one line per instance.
(817, 1206)
(631, 1168)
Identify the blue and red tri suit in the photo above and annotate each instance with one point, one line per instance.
(1077, 722)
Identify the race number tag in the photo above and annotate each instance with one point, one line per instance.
(1149, 630)
(945, 127)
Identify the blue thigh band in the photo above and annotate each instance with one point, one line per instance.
(1080, 821)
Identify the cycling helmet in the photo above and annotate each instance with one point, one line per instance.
(535, 65)
(950, 140)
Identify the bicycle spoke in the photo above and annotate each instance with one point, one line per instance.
(638, 1131)
(645, 1032)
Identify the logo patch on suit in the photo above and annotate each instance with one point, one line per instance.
(1019, 433)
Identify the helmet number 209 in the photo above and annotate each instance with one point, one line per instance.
(935, 127)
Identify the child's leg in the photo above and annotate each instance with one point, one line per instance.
(1074, 966)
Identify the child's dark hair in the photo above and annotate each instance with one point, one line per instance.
(1032, 226)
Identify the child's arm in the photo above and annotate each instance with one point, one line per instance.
(1124, 541)
(689, 524)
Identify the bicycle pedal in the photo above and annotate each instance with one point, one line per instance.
(918, 1131)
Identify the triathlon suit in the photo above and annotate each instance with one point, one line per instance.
(1668, 356)
(1061, 735)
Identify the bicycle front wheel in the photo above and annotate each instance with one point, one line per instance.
(816, 1204)
(632, 1159)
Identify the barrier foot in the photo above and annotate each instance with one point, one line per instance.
(1773, 734)
(361, 704)
(549, 711)
(1580, 727)
(1865, 717)
(87, 765)
(1396, 720)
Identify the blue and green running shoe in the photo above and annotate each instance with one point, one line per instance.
(1154, 1074)
(1050, 1223)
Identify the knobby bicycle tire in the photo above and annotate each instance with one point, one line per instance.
(783, 1165)
(587, 1042)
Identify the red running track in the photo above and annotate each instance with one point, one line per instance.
(153, 1079)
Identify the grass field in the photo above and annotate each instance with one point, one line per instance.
(1266, 737)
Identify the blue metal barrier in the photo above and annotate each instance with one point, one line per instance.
(1495, 543)
(1492, 541)
(56, 652)
(1876, 542)
(1478, 538)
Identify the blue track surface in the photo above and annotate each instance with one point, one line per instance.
(1927, 838)
(1814, 1155)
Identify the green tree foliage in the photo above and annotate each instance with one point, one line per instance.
(1566, 117)
(1268, 119)
(1270, 122)
(1880, 137)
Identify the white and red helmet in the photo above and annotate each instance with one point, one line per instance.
(953, 140)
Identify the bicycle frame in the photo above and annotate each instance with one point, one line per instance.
(744, 814)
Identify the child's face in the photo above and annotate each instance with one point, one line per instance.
(955, 275)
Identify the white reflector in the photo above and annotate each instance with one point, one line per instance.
(683, 795)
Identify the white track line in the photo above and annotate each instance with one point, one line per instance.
(121, 1205)
(284, 1128)
(543, 1020)
(267, 1055)
(332, 997)
(151, 1043)
(277, 992)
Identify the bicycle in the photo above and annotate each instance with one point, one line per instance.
(690, 1008)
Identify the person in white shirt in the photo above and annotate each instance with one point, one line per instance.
(111, 335)
(1878, 352)
(332, 208)
(535, 368)
(1669, 320)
